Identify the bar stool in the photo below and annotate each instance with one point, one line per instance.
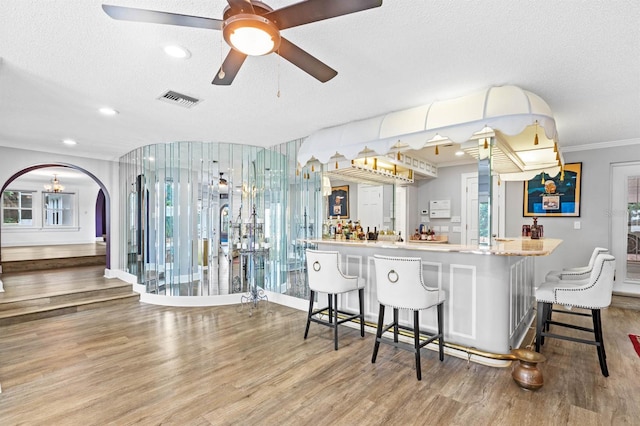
(593, 294)
(325, 276)
(573, 274)
(399, 285)
(578, 273)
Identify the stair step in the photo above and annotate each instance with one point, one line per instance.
(34, 312)
(55, 263)
(63, 297)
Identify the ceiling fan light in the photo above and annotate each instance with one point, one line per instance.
(252, 41)
(250, 34)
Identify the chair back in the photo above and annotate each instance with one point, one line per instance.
(596, 292)
(323, 269)
(594, 255)
(399, 283)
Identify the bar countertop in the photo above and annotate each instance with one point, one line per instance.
(517, 246)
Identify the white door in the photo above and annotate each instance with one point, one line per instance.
(369, 211)
(625, 225)
(469, 219)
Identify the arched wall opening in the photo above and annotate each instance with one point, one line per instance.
(107, 199)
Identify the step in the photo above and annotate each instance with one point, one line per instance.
(57, 263)
(64, 296)
(35, 312)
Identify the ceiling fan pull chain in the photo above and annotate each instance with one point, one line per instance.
(279, 60)
(221, 73)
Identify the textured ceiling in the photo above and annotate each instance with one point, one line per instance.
(62, 60)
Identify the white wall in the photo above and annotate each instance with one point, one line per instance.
(445, 187)
(594, 210)
(15, 160)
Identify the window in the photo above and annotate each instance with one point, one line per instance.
(59, 209)
(17, 208)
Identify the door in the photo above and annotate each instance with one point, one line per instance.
(469, 219)
(369, 211)
(469, 203)
(625, 225)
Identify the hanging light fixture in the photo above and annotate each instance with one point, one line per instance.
(535, 140)
(437, 152)
(54, 186)
(486, 143)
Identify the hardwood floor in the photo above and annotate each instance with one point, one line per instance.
(149, 365)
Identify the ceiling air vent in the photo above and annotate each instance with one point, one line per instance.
(179, 99)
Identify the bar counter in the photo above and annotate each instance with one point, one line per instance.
(489, 291)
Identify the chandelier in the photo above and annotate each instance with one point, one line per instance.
(54, 186)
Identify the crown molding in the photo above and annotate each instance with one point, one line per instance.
(600, 145)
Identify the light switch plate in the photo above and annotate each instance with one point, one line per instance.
(576, 224)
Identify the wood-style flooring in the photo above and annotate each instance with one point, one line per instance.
(150, 365)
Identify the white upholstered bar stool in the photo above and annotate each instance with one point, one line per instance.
(573, 274)
(399, 285)
(577, 273)
(325, 276)
(592, 294)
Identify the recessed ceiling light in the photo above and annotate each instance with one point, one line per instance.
(177, 52)
(108, 111)
(459, 153)
(69, 142)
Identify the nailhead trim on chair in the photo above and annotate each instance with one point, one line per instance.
(580, 289)
(403, 259)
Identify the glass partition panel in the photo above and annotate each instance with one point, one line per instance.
(191, 208)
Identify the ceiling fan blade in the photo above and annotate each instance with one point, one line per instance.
(157, 17)
(305, 61)
(230, 68)
(240, 6)
(317, 10)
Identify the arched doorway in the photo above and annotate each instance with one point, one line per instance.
(103, 189)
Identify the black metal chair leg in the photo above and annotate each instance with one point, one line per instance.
(540, 315)
(306, 330)
(335, 322)
(549, 311)
(378, 333)
(395, 325)
(330, 308)
(361, 303)
(597, 331)
(440, 332)
(416, 342)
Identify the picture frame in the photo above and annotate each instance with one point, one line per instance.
(338, 204)
(554, 196)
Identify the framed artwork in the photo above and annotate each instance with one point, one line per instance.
(554, 196)
(339, 202)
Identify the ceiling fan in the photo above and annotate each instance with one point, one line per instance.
(252, 28)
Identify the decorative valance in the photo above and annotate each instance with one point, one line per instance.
(510, 114)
